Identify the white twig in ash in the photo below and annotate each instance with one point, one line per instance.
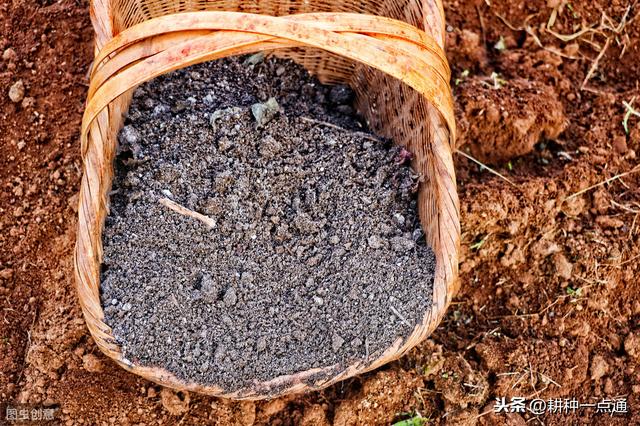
(185, 211)
(363, 135)
(399, 315)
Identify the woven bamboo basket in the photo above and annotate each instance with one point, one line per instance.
(390, 52)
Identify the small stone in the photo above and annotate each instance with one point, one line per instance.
(91, 363)
(305, 224)
(336, 342)
(223, 114)
(21, 145)
(224, 144)
(608, 386)
(16, 91)
(401, 244)
(314, 261)
(159, 109)
(209, 288)
(599, 367)
(334, 239)
(375, 242)
(195, 295)
(564, 268)
(226, 320)
(632, 346)
(398, 219)
(28, 102)
(126, 307)
(620, 144)
(130, 135)
(265, 112)
(221, 350)
(179, 106)
(208, 99)
(254, 59)
(280, 70)
(230, 298)
(247, 277)
(6, 274)
(262, 344)
(318, 300)
(9, 55)
(269, 147)
(176, 403)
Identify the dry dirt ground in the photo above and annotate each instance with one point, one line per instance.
(549, 304)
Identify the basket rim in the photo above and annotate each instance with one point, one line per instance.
(401, 65)
(88, 256)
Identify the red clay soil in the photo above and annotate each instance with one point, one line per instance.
(549, 305)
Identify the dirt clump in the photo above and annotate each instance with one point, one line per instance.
(468, 51)
(499, 119)
(16, 91)
(176, 403)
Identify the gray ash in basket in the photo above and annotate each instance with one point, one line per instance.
(316, 258)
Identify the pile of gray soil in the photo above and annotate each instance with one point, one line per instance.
(256, 230)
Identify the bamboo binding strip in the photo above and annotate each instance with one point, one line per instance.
(391, 53)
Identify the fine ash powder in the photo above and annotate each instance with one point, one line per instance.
(308, 253)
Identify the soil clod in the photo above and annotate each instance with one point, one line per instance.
(16, 91)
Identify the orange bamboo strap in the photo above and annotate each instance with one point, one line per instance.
(151, 52)
(213, 20)
(194, 23)
(153, 44)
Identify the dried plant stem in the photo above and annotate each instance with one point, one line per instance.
(342, 129)
(464, 154)
(604, 182)
(594, 65)
(400, 316)
(172, 205)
